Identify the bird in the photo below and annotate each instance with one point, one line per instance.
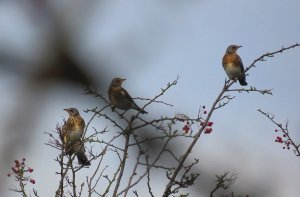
(233, 65)
(120, 98)
(71, 134)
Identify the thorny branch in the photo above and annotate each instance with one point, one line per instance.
(122, 164)
(252, 89)
(284, 129)
(130, 128)
(225, 88)
(224, 181)
(146, 99)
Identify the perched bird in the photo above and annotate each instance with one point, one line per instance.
(233, 65)
(71, 134)
(120, 98)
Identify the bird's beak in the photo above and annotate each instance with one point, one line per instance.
(123, 80)
(66, 110)
(240, 46)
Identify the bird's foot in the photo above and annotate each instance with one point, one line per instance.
(234, 79)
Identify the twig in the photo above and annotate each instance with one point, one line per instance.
(226, 86)
(284, 130)
(133, 174)
(146, 99)
(122, 164)
(224, 181)
(252, 89)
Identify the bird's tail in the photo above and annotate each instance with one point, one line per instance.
(242, 81)
(80, 153)
(139, 109)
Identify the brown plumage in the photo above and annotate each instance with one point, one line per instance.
(71, 134)
(233, 65)
(120, 98)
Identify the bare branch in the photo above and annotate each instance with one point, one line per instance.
(224, 181)
(146, 99)
(122, 164)
(252, 89)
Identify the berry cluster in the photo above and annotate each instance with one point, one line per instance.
(187, 127)
(208, 126)
(283, 140)
(20, 171)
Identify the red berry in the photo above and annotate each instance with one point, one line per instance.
(23, 159)
(187, 122)
(209, 124)
(276, 130)
(8, 175)
(288, 148)
(186, 128)
(32, 181)
(283, 147)
(30, 170)
(203, 106)
(205, 112)
(208, 130)
(201, 123)
(284, 135)
(279, 139)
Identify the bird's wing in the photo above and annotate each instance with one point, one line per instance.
(63, 132)
(131, 101)
(239, 60)
(126, 95)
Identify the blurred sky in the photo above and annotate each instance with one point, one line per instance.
(150, 43)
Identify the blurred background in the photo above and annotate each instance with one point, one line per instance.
(51, 50)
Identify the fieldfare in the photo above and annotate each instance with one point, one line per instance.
(233, 65)
(71, 134)
(120, 98)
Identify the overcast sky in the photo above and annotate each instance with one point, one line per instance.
(150, 43)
